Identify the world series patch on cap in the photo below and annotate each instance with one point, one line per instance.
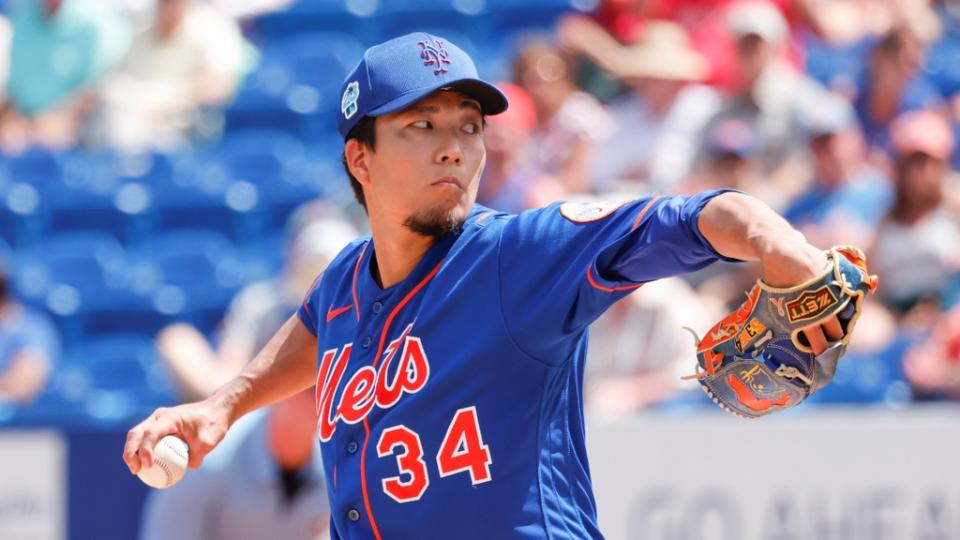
(395, 74)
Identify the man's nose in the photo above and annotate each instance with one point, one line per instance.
(450, 152)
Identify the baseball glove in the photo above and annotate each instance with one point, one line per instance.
(757, 361)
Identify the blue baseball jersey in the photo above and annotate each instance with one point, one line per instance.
(451, 403)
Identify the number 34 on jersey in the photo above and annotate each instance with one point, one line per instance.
(462, 449)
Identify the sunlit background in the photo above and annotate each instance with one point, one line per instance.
(171, 184)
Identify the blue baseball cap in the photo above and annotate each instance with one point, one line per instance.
(397, 73)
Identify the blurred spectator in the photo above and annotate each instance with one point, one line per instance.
(570, 121)
(6, 41)
(259, 309)
(944, 54)
(28, 348)
(705, 20)
(771, 96)
(933, 366)
(510, 181)
(591, 39)
(847, 197)
(264, 481)
(241, 9)
(894, 85)
(191, 56)
(657, 125)
(60, 50)
(917, 250)
(639, 349)
(847, 21)
(730, 158)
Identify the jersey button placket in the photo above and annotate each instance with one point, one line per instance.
(353, 515)
(377, 307)
(352, 447)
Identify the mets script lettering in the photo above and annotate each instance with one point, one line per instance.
(370, 386)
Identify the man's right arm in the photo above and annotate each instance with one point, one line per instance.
(285, 366)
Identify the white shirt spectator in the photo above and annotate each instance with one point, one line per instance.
(152, 101)
(657, 150)
(917, 260)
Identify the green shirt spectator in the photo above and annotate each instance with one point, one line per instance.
(59, 47)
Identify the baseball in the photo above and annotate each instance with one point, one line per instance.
(170, 458)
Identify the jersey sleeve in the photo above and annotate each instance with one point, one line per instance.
(308, 311)
(562, 266)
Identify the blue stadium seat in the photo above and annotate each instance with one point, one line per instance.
(83, 258)
(8, 226)
(121, 213)
(21, 214)
(308, 16)
(35, 167)
(270, 113)
(438, 17)
(264, 259)
(318, 59)
(67, 268)
(512, 15)
(188, 256)
(123, 375)
(205, 197)
(260, 156)
(120, 311)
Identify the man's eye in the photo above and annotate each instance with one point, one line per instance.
(472, 128)
(422, 124)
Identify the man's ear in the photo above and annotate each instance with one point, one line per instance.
(356, 155)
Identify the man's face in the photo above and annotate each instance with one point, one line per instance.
(923, 176)
(426, 167)
(753, 55)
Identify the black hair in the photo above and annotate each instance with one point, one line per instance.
(365, 133)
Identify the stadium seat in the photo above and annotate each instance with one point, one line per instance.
(120, 311)
(35, 167)
(120, 213)
(260, 156)
(69, 266)
(21, 214)
(6, 253)
(123, 375)
(309, 16)
(263, 259)
(190, 257)
(318, 59)
(268, 113)
(205, 197)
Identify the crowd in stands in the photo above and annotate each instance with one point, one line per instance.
(840, 115)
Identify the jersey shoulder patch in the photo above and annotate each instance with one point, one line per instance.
(589, 211)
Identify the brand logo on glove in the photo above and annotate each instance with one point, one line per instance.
(810, 304)
(750, 331)
(752, 393)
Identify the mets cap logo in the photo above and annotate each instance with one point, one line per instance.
(348, 102)
(433, 54)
